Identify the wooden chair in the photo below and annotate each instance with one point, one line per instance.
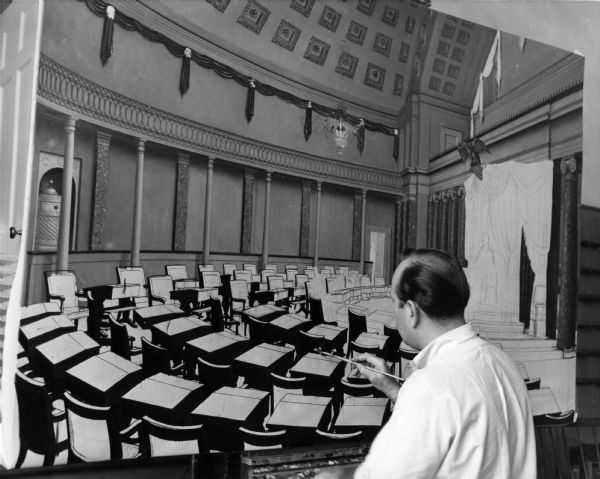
(217, 319)
(324, 437)
(390, 352)
(134, 275)
(250, 267)
(332, 284)
(210, 279)
(61, 286)
(41, 416)
(121, 342)
(160, 439)
(315, 306)
(205, 267)
(282, 385)
(272, 267)
(360, 349)
(307, 343)
(159, 289)
(180, 277)
(215, 376)
(229, 268)
(357, 324)
(242, 274)
(276, 285)
(357, 389)
(157, 359)
(265, 273)
(94, 435)
(256, 440)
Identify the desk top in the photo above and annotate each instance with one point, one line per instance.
(296, 410)
(216, 341)
(44, 327)
(182, 325)
(264, 354)
(362, 411)
(543, 401)
(290, 321)
(230, 403)
(371, 339)
(317, 365)
(66, 346)
(264, 311)
(330, 332)
(161, 390)
(100, 375)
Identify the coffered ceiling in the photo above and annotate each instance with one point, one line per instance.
(370, 54)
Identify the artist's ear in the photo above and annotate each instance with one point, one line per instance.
(412, 313)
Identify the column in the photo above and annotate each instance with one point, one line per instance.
(305, 219)
(100, 190)
(181, 201)
(207, 211)
(405, 223)
(265, 251)
(414, 141)
(460, 226)
(363, 220)
(398, 230)
(356, 226)
(444, 221)
(137, 207)
(407, 140)
(430, 221)
(435, 232)
(317, 227)
(567, 306)
(64, 226)
(452, 223)
(247, 211)
(401, 148)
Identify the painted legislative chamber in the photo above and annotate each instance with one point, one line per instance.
(203, 203)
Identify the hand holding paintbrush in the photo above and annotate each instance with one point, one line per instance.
(363, 363)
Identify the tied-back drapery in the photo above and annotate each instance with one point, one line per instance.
(512, 197)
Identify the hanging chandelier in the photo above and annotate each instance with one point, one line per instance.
(338, 130)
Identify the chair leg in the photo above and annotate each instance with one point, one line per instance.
(21, 458)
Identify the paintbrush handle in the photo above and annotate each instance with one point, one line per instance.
(367, 367)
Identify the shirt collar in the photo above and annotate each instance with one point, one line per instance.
(455, 336)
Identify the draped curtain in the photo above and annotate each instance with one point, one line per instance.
(511, 197)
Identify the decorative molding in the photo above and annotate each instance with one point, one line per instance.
(181, 201)
(356, 225)
(100, 190)
(305, 219)
(248, 207)
(64, 90)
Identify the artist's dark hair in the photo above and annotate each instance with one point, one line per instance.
(435, 281)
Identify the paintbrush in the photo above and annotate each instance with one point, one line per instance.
(349, 361)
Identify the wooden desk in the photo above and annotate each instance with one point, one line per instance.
(44, 329)
(256, 364)
(227, 409)
(54, 357)
(321, 371)
(174, 333)
(300, 416)
(150, 315)
(263, 312)
(164, 398)
(218, 348)
(103, 379)
(36, 311)
(372, 339)
(334, 336)
(364, 413)
(286, 327)
(190, 298)
(543, 401)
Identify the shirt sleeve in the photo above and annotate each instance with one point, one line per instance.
(416, 438)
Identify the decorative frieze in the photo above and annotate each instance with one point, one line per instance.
(305, 219)
(181, 201)
(356, 224)
(100, 190)
(247, 211)
(65, 90)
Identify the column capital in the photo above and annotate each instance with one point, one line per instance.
(141, 146)
(248, 173)
(211, 162)
(183, 158)
(268, 176)
(364, 193)
(102, 143)
(70, 124)
(319, 185)
(568, 165)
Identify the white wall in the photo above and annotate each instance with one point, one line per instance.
(567, 24)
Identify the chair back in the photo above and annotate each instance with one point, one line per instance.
(316, 309)
(265, 273)
(365, 280)
(256, 440)
(156, 359)
(160, 288)
(93, 434)
(282, 385)
(289, 267)
(119, 339)
(274, 282)
(229, 268)
(359, 348)
(307, 343)
(134, 275)
(301, 280)
(357, 323)
(177, 271)
(272, 267)
(239, 288)
(209, 279)
(390, 350)
(258, 330)
(243, 274)
(36, 430)
(250, 267)
(332, 284)
(343, 270)
(216, 314)
(205, 267)
(357, 389)
(215, 376)
(290, 275)
(324, 437)
(160, 439)
(327, 269)
(350, 281)
(378, 281)
(62, 283)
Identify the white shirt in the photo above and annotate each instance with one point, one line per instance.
(464, 413)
